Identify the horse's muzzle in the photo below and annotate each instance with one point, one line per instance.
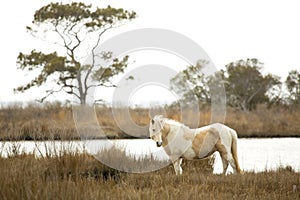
(158, 144)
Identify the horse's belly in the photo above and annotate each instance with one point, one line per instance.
(189, 154)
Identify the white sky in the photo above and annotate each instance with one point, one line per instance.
(227, 30)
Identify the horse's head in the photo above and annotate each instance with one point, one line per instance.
(155, 129)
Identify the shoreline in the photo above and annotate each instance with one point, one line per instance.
(132, 138)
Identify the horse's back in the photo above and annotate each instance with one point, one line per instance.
(223, 129)
(226, 133)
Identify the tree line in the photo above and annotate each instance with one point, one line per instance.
(244, 84)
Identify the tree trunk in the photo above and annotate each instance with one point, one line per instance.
(82, 94)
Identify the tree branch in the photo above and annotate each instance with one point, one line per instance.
(102, 85)
(49, 92)
(93, 58)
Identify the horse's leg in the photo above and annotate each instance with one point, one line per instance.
(227, 158)
(224, 155)
(177, 166)
(234, 161)
(234, 164)
(225, 164)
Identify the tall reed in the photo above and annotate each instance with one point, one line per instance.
(55, 121)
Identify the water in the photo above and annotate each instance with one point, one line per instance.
(254, 154)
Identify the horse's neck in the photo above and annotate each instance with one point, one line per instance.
(192, 130)
(182, 131)
(166, 129)
(181, 126)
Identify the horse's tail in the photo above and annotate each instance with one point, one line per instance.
(234, 151)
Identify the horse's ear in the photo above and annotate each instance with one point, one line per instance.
(159, 118)
(152, 121)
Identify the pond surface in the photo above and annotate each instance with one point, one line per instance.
(254, 154)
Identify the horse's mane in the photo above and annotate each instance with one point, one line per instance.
(171, 121)
(175, 123)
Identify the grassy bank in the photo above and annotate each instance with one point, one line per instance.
(80, 176)
(55, 121)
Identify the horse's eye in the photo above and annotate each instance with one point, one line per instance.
(153, 130)
(152, 121)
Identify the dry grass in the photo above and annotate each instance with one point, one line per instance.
(263, 122)
(55, 121)
(81, 176)
(36, 122)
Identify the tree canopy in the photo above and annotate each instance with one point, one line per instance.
(70, 26)
(191, 83)
(244, 83)
(293, 86)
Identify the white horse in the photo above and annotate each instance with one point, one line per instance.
(179, 141)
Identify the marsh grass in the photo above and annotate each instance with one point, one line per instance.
(81, 176)
(55, 122)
